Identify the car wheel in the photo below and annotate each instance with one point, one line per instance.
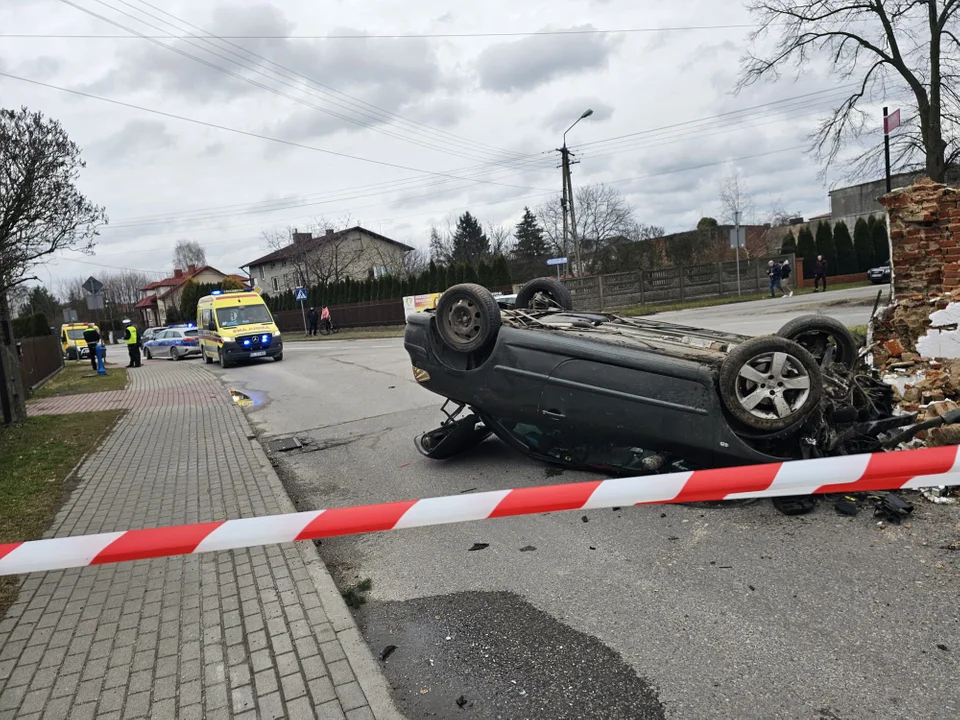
(817, 333)
(146, 354)
(468, 317)
(206, 358)
(770, 383)
(224, 363)
(544, 294)
(278, 357)
(174, 355)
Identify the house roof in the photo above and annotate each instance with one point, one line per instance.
(317, 241)
(174, 282)
(148, 301)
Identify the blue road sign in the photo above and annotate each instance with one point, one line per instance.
(300, 295)
(557, 261)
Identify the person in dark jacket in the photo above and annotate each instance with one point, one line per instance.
(313, 320)
(91, 336)
(773, 272)
(785, 271)
(132, 339)
(820, 273)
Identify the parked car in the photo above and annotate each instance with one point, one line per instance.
(174, 343)
(879, 274)
(150, 333)
(616, 394)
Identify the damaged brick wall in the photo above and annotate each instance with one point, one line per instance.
(924, 230)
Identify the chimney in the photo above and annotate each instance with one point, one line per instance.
(329, 232)
(301, 237)
(191, 268)
(177, 273)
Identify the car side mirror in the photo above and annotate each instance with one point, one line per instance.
(212, 326)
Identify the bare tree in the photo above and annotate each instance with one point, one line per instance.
(501, 239)
(604, 218)
(736, 203)
(550, 215)
(187, 253)
(884, 46)
(441, 246)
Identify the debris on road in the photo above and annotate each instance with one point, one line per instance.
(893, 508)
(387, 652)
(846, 507)
(461, 701)
(478, 546)
(795, 504)
(528, 548)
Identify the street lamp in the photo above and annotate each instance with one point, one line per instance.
(567, 196)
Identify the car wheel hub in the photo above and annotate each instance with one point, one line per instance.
(773, 385)
(464, 319)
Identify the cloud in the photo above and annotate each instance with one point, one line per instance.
(43, 67)
(137, 137)
(537, 59)
(569, 110)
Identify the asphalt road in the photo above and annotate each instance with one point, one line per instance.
(644, 612)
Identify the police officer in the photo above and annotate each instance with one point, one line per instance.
(91, 336)
(133, 343)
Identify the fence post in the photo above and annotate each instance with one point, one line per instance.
(720, 278)
(681, 268)
(757, 278)
(642, 272)
(600, 289)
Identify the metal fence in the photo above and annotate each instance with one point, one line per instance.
(40, 357)
(671, 284)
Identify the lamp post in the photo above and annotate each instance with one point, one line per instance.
(566, 198)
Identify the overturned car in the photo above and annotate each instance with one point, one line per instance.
(626, 395)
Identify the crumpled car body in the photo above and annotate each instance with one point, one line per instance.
(628, 395)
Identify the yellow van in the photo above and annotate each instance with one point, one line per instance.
(236, 325)
(72, 344)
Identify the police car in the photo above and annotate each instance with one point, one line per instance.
(175, 342)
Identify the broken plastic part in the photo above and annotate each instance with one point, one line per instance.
(846, 507)
(893, 508)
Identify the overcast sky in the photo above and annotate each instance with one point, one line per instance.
(436, 125)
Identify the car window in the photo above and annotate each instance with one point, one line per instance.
(243, 315)
(75, 334)
(191, 333)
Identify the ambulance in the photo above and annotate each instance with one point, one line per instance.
(237, 325)
(72, 344)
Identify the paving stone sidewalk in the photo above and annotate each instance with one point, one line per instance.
(244, 633)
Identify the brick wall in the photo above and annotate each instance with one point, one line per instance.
(924, 234)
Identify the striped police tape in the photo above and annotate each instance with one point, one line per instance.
(845, 474)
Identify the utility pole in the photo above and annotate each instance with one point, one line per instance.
(566, 198)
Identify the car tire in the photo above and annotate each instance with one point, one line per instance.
(224, 363)
(146, 354)
(467, 317)
(71, 354)
(174, 354)
(793, 375)
(554, 292)
(206, 358)
(816, 332)
(278, 357)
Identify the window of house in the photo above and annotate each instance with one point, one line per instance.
(276, 284)
(261, 272)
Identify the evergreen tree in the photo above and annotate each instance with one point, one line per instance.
(826, 246)
(189, 297)
(429, 279)
(531, 244)
(438, 249)
(846, 256)
(807, 249)
(485, 274)
(469, 274)
(470, 243)
(881, 243)
(501, 273)
(863, 245)
(789, 244)
(449, 278)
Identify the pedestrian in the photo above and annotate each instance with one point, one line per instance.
(773, 272)
(325, 318)
(91, 336)
(820, 273)
(785, 271)
(312, 319)
(131, 337)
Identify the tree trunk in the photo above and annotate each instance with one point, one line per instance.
(13, 402)
(934, 144)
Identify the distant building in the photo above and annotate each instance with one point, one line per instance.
(355, 254)
(860, 201)
(158, 298)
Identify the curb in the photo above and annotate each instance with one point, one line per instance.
(369, 676)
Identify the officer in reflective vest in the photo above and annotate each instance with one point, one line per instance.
(133, 343)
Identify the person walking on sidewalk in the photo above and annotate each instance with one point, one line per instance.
(785, 271)
(132, 339)
(773, 272)
(312, 319)
(91, 336)
(820, 273)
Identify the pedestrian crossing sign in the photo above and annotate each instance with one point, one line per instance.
(301, 294)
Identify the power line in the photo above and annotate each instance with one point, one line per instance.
(246, 133)
(409, 36)
(351, 99)
(250, 81)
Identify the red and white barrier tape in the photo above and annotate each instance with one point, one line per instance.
(846, 474)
